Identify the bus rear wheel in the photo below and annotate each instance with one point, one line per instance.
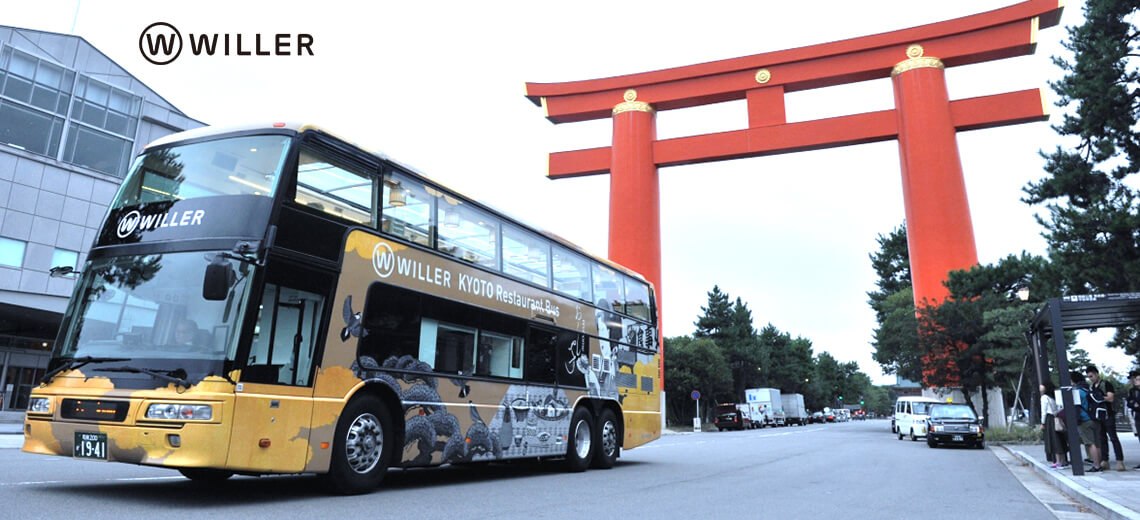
(608, 440)
(580, 443)
(362, 447)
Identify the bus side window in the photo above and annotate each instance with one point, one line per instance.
(391, 322)
(334, 188)
(408, 210)
(539, 356)
(608, 289)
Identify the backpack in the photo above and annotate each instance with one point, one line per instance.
(1098, 405)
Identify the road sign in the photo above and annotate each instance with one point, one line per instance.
(695, 395)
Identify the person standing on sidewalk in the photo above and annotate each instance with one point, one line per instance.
(1087, 427)
(1107, 417)
(1133, 399)
(1056, 449)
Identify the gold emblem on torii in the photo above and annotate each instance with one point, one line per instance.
(631, 104)
(916, 60)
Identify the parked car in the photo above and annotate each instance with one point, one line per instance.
(729, 417)
(951, 423)
(817, 417)
(910, 416)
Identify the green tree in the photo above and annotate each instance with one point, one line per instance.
(716, 317)
(694, 364)
(896, 338)
(742, 349)
(976, 336)
(1092, 209)
(789, 361)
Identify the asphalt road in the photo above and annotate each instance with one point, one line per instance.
(848, 470)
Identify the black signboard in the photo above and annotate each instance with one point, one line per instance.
(240, 217)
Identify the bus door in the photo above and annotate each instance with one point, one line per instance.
(274, 400)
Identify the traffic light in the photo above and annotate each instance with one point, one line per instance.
(860, 402)
(840, 398)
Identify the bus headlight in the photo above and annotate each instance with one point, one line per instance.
(180, 412)
(39, 405)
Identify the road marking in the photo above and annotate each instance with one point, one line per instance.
(125, 479)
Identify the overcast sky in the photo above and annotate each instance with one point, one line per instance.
(439, 85)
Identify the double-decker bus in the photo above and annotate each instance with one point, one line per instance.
(274, 299)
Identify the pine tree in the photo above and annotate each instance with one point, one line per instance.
(716, 318)
(1093, 213)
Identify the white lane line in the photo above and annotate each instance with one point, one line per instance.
(125, 479)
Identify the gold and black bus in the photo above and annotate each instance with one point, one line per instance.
(274, 299)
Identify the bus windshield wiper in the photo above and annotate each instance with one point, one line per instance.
(169, 376)
(75, 363)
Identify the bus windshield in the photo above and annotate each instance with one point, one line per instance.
(152, 307)
(238, 166)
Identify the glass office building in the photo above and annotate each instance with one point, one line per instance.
(71, 119)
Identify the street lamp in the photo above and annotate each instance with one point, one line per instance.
(1023, 294)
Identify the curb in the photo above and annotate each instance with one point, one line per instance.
(1096, 502)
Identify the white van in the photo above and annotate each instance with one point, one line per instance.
(910, 416)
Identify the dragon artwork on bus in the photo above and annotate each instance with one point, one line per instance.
(274, 299)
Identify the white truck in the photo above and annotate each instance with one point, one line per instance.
(765, 406)
(794, 409)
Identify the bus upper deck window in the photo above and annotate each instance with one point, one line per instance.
(408, 209)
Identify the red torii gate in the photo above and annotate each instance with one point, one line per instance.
(925, 121)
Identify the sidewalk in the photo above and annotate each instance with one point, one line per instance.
(1110, 494)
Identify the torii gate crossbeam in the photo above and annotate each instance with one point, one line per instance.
(924, 121)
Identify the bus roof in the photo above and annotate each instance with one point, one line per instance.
(209, 131)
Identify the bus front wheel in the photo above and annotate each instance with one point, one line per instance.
(608, 440)
(580, 443)
(362, 447)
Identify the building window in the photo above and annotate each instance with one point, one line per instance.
(103, 123)
(64, 258)
(33, 93)
(12, 252)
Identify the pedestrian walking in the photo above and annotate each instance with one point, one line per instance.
(1133, 403)
(1106, 415)
(1087, 427)
(1056, 446)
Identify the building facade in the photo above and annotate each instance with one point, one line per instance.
(71, 122)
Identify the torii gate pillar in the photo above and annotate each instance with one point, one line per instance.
(635, 209)
(940, 235)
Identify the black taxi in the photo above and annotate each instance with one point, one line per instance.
(953, 423)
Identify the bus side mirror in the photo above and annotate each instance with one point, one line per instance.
(220, 276)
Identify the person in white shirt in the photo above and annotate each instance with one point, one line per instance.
(1056, 447)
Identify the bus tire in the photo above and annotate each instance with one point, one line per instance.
(608, 441)
(580, 443)
(362, 448)
(205, 475)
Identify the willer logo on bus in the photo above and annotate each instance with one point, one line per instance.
(383, 260)
(135, 221)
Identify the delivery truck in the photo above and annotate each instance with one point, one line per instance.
(794, 410)
(766, 402)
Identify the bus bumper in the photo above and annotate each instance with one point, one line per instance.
(188, 445)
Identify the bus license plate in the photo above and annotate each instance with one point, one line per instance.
(91, 446)
(957, 438)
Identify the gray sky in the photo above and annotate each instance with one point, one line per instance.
(439, 85)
